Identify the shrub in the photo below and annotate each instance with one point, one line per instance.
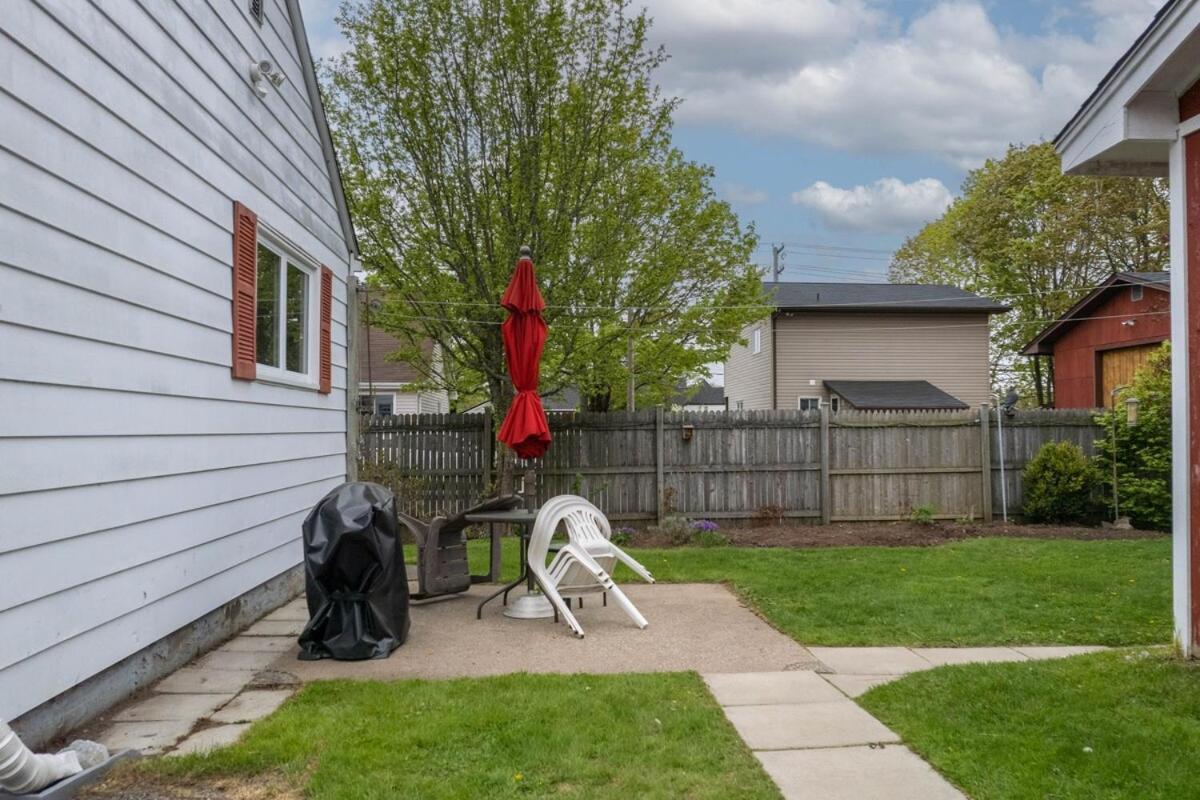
(709, 538)
(622, 537)
(1060, 485)
(704, 525)
(923, 515)
(676, 527)
(1143, 451)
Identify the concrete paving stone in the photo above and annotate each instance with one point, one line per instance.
(764, 688)
(209, 739)
(856, 773)
(149, 738)
(273, 627)
(788, 727)
(858, 685)
(260, 644)
(942, 656)
(296, 611)
(870, 660)
(252, 705)
(193, 680)
(161, 707)
(1065, 651)
(225, 659)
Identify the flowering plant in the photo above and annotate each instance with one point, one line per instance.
(704, 525)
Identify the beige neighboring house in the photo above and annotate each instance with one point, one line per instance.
(384, 384)
(868, 346)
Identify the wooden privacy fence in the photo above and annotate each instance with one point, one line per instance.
(736, 465)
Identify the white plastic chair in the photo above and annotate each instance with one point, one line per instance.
(584, 565)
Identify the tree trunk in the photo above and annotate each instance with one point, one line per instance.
(501, 393)
(1037, 381)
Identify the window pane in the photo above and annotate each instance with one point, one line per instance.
(297, 320)
(267, 338)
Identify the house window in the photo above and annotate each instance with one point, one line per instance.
(756, 341)
(1135, 293)
(384, 404)
(256, 10)
(835, 403)
(808, 403)
(740, 405)
(284, 309)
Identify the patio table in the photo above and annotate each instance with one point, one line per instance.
(533, 605)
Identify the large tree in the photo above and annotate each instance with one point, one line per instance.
(468, 128)
(1027, 235)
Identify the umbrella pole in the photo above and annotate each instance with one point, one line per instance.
(529, 489)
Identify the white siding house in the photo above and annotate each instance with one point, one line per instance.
(144, 482)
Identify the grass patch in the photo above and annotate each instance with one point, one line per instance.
(1023, 730)
(579, 736)
(973, 592)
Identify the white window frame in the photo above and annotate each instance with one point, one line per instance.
(291, 255)
(756, 341)
(1136, 293)
(800, 402)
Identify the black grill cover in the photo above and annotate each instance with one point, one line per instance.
(354, 575)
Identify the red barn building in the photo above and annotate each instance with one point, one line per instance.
(1098, 344)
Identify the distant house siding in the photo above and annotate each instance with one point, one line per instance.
(949, 350)
(748, 374)
(140, 485)
(1075, 353)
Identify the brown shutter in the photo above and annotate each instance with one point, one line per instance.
(326, 344)
(245, 294)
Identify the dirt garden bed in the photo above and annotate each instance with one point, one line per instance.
(891, 534)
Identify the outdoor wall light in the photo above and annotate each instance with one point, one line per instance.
(688, 432)
(1131, 411)
(263, 72)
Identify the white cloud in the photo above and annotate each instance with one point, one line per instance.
(843, 74)
(744, 195)
(886, 206)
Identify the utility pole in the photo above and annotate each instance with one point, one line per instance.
(777, 258)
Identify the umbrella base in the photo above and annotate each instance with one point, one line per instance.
(530, 606)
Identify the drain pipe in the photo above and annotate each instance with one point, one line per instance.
(23, 772)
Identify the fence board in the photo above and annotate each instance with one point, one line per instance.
(730, 465)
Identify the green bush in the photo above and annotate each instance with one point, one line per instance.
(1061, 485)
(705, 538)
(1143, 451)
(923, 515)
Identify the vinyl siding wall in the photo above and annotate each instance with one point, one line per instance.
(140, 485)
(948, 350)
(748, 374)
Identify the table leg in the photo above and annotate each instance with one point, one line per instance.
(503, 590)
(494, 563)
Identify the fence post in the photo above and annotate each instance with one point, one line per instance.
(985, 457)
(486, 443)
(659, 484)
(826, 498)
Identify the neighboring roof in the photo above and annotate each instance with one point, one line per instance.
(1121, 62)
(318, 106)
(564, 400)
(1041, 345)
(878, 297)
(374, 365)
(894, 395)
(702, 394)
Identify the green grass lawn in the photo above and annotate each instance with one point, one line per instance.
(1107, 726)
(582, 736)
(973, 592)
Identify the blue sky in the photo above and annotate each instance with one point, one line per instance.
(850, 123)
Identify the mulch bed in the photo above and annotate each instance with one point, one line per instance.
(892, 534)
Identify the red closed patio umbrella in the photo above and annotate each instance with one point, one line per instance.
(525, 429)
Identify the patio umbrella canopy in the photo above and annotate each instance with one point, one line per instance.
(525, 429)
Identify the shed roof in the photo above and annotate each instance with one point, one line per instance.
(1042, 344)
(375, 361)
(878, 297)
(702, 394)
(894, 395)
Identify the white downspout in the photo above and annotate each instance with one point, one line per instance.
(23, 772)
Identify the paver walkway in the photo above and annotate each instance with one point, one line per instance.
(816, 743)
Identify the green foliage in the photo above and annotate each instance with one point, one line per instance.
(707, 538)
(1143, 451)
(1108, 726)
(1060, 485)
(468, 128)
(408, 489)
(923, 515)
(1035, 239)
(676, 528)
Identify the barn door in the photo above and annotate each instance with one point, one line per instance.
(1118, 366)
